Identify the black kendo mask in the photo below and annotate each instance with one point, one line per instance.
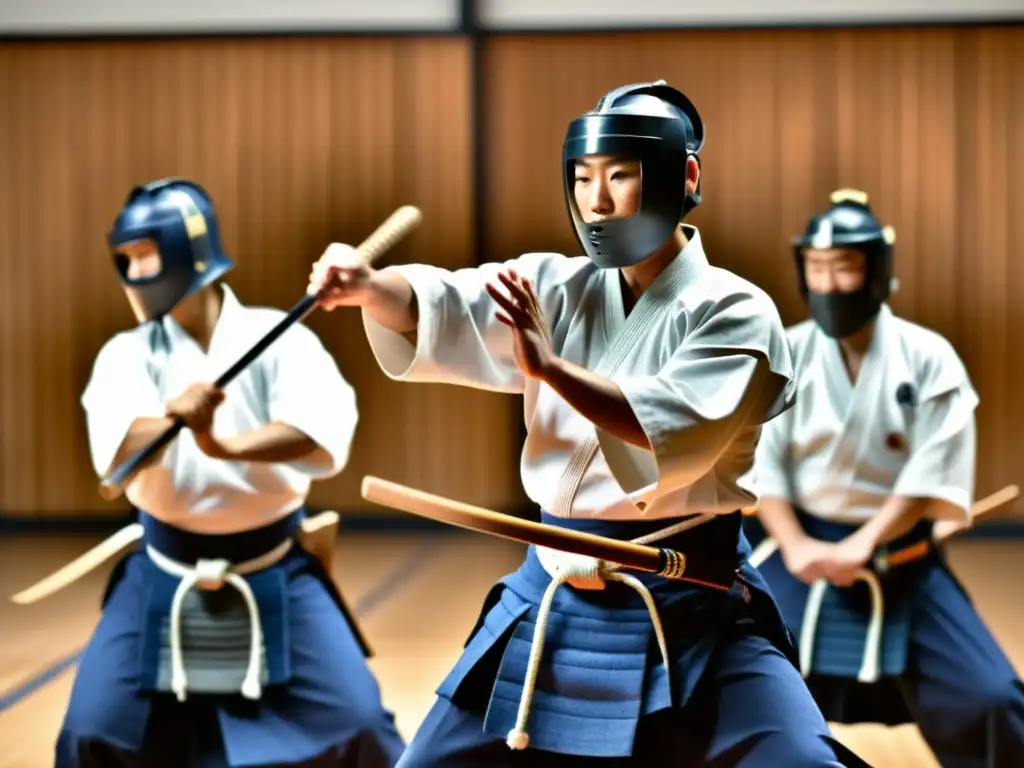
(656, 125)
(849, 223)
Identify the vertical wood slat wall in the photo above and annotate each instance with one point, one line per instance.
(305, 141)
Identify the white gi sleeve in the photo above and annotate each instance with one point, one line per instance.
(459, 339)
(119, 391)
(731, 372)
(942, 433)
(308, 392)
(770, 476)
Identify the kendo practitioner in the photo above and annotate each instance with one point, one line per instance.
(222, 641)
(647, 374)
(879, 448)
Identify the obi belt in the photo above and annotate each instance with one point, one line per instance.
(246, 658)
(604, 659)
(853, 642)
(214, 617)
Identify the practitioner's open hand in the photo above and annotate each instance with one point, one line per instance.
(340, 278)
(523, 314)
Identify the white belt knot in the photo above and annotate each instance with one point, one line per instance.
(213, 574)
(585, 572)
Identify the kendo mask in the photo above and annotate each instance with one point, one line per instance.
(849, 223)
(656, 125)
(178, 216)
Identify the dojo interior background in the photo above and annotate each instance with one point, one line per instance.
(310, 122)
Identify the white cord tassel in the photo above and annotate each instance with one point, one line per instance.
(212, 574)
(179, 682)
(585, 573)
(518, 738)
(870, 665)
(812, 609)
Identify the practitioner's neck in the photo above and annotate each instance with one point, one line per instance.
(198, 314)
(854, 348)
(638, 277)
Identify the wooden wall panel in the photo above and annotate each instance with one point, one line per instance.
(300, 142)
(307, 141)
(926, 120)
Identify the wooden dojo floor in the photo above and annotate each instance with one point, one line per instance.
(417, 596)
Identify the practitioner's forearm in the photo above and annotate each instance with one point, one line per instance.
(141, 433)
(597, 399)
(898, 515)
(272, 443)
(779, 519)
(392, 302)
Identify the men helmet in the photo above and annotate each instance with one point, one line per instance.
(178, 215)
(849, 223)
(657, 125)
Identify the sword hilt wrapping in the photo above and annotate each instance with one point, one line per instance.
(672, 564)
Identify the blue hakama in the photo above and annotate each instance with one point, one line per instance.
(320, 704)
(732, 695)
(940, 666)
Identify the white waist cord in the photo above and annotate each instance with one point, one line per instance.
(563, 567)
(216, 573)
(869, 666)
